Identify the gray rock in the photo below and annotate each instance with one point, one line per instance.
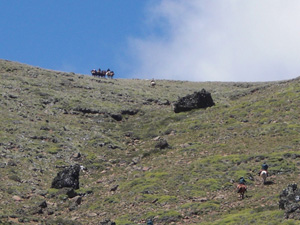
(11, 163)
(107, 222)
(43, 204)
(289, 200)
(69, 177)
(129, 111)
(117, 117)
(114, 188)
(201, 99)
(162, 144)
(75, 202)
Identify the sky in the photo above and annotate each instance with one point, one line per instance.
(194, 40)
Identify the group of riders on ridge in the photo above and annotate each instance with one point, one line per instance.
(241, 187)
(103, 73)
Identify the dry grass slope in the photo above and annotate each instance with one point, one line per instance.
(48, 117)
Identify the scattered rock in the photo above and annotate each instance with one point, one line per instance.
(145, 168)
(12, 96)
(129, 112)
(36, 210)
(87, 111)
(164, 102)
(114, 188)
(14, 177)
(70, 192)
(135, 160)
(45, 128)
(11, 163)
(75, 202)
(117, 117)
(186, 145)
(17, 198)
(42, 192)
(156, 138)
(43, 204)
(220, 197)
(69, 177)
(76, 155)
(107, 222)
(201, 99)
(162, 144)
(289, 200)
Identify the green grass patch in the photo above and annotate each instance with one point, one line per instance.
(54, 150)
(200, 208)
(249, 216)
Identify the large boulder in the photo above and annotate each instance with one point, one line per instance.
(197, 100)
(289, 200)
(69, 177)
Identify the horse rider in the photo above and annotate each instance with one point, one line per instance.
(242, 181)
(93, 72)
(241, 187)
(152, 82)
(149, 222)
(264, 167)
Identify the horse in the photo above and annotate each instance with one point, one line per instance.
(99, 73)
(152, 83)
(110, 74)
(264, 175)
(241, 190)
(102, 73)
(94, 72)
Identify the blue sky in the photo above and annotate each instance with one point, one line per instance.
(196, 40)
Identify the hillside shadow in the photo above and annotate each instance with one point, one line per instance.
(269, 183)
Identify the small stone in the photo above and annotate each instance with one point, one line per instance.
(43, 204)
(77, 200)
(77, 155)
(92, 214)
(17, 198)
(114, 188)
(146, 168)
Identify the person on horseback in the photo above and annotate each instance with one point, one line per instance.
(264, 167)
(242, 181)
(241, 187)
(149, 222)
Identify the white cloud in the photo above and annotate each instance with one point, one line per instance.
(233, 40)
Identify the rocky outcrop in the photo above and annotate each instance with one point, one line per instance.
(201, 99)
(162, 144)
(289, 200)
(117, 117)
(107, 222)
(129, 112)
(69, 177)
(87, 110)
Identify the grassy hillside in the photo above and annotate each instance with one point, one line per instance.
(48, 117)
